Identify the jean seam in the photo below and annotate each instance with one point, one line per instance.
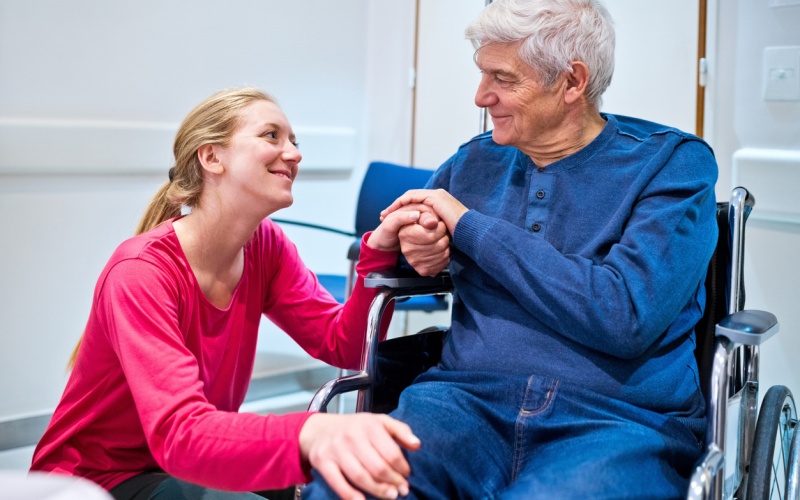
(520, 427)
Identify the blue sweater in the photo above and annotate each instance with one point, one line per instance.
(590, 270)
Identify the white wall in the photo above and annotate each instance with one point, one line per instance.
(333, 66)
(655, 73)
(86, 69)
(445, 112)
(741, 118)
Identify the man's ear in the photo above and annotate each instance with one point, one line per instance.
(576, 82)
(209, 157)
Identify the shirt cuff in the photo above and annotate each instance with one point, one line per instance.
(471, 230)
(370, 259)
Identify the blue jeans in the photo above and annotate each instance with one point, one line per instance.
(491, 435)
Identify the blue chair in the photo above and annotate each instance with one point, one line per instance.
(383, 183)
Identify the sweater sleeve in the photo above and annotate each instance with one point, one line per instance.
(301, 307)
(187, 436)
(621, 302)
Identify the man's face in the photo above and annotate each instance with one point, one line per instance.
(525, 114)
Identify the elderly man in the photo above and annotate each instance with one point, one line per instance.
(580, 242)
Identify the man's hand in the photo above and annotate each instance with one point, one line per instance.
(361, 450)
(385, 236)
(443, 204)
(426, 245)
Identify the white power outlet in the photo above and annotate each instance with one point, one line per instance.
(782, 73)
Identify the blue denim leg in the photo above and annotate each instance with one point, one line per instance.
(490, 435)
(465, 422)
(590, 446)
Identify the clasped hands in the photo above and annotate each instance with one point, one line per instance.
(420, 224)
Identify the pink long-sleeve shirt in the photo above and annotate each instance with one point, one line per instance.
(161, 372)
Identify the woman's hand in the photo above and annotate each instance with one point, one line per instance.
(443, 204)
(417, 231)
(361, 450)
(385, 236)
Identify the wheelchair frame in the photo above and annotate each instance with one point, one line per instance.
(733, 445)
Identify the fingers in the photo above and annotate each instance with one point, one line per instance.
(359, 452)
(336, 480)
(443, 204)
(418, 234)
(385, 236)
(402, 434)
(429, 220)
(351, 473)
(411, 196)
(400, 218)
(426, 250)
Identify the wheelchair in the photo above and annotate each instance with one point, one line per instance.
(751, 452)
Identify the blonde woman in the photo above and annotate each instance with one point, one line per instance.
(150, 409)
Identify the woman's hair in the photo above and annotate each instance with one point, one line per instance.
(213, 121)
(552, 34)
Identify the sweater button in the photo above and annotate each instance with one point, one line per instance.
(535, 227)
(540, 194)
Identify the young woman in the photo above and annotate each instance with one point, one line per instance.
(165, 361)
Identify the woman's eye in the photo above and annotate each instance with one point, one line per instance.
(296, 144)
(271, 134)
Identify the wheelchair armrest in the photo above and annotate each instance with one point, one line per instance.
(748, 327)
(402, 279)
(333, 388)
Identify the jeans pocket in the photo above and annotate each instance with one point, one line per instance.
(539, 395)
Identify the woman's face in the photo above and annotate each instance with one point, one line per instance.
(262, 158)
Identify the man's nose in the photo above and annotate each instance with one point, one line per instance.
(484, 96)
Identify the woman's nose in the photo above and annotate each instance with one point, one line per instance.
(291, 153)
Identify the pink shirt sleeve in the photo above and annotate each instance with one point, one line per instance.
(187, 435)
(302, 308)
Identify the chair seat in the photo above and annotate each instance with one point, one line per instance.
(336, 285)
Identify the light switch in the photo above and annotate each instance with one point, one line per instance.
(782, 73)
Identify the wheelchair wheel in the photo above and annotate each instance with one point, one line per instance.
(793, 477)
(769, 463)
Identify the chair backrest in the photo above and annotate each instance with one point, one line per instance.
(383, 183)
(717, 298)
